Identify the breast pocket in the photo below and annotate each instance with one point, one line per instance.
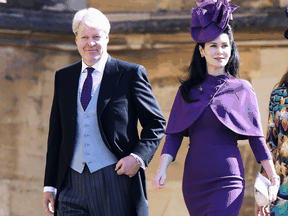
(119, 110)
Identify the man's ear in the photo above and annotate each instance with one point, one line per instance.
(75, 39)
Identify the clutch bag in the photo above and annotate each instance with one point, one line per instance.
(261, 188)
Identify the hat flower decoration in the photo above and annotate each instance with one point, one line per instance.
(210, 19)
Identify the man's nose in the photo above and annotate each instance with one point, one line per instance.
(92, 42)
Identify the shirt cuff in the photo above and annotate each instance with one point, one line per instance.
(142, 162)
(50, 189)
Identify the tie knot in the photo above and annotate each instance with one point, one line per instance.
(90, 70)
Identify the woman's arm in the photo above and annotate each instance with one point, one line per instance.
(169, 152)
(263, 155)
(273, 177)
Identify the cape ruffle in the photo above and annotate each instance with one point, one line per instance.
(234, 103)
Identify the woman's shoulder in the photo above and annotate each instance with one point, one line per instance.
(281, 91)
(241, 82)
(279, 97)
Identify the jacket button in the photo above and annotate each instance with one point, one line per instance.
(219, 82)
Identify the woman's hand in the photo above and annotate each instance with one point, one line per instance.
(273, 189)
(262, 210)
(159, 180)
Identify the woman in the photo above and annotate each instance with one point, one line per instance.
(277, 142)
(215, 109)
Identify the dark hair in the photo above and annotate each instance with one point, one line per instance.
(198, 69)
(283, 81)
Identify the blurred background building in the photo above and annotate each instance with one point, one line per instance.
(36, 39)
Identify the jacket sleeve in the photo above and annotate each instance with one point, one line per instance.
(150, 117)
(54, 141)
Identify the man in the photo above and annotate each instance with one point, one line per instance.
(94, 152)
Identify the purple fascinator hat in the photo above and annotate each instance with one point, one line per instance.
(210, 19)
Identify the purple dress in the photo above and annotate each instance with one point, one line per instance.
(213, 181)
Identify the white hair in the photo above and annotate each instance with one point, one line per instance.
(92, 18)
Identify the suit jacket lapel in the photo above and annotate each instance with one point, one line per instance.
(73, 85)
(109, 83)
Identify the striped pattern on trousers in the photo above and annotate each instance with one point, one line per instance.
(102, 193)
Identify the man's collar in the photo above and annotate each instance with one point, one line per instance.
(98, 66)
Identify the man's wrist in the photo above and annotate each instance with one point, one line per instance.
(49, 189)
(139, 160)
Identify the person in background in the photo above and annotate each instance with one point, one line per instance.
(214, 109)
(95, 159)
(277, 142)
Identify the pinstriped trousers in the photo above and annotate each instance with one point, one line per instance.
(101, 193)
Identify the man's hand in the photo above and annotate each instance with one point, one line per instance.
(128, 166)
(49, 199)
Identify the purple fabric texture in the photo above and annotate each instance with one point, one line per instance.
(257, 144)
(87, 87)
(227, 110)
(232, 100)
(210, 19)
(213, 179)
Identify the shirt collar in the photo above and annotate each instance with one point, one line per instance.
(98, 66)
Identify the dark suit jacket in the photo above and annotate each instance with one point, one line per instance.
(125, 96)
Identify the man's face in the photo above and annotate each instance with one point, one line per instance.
(91, 43)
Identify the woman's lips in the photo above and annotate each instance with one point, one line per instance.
(219, 59)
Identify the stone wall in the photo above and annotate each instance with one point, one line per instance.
(151, 34)
(26, 86)
(136, 6)
(129, 6)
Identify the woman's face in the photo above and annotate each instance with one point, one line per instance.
(217, 52)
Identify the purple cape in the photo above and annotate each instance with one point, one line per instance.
(232, 100)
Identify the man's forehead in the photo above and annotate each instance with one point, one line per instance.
(94, 29)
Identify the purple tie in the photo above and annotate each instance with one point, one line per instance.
(87, 87)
